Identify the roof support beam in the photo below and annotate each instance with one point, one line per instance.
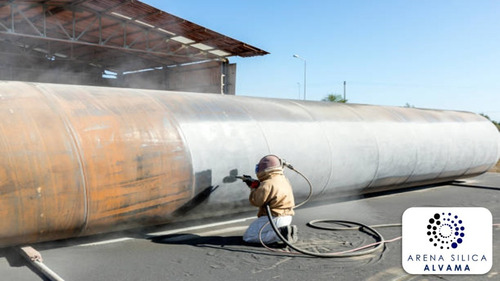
(29, 22)
(97, 17)
(12, 27)
(58, 23)
(4, 27)
(162, 54)
(89, 30)
(71, 32)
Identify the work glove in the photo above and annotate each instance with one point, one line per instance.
(252, 183)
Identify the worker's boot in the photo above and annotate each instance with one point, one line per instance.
(289, 232)
(294, 236)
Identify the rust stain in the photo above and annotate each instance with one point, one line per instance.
(33, 142)
(81, 160)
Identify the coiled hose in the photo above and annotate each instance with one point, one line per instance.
(343, 254)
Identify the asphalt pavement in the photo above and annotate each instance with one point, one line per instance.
(213, 250)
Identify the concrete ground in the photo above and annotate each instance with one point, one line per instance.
(215, 251)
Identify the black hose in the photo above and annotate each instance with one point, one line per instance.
(344, 254)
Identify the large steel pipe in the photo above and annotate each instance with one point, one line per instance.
(78, 160)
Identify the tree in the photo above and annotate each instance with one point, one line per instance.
(494, 122)
(334, 98)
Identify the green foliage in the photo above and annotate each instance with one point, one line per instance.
(409, 105)
(334, 98)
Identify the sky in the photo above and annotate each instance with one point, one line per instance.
(424, 53)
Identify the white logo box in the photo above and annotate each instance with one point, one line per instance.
(447, 240)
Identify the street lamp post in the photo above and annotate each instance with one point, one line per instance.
(305, 71)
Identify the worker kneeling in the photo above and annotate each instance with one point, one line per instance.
(272, 189)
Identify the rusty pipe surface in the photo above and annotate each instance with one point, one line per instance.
(79, 160)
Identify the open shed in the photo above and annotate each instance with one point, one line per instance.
(114, 43)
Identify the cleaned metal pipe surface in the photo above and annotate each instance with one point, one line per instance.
(79, 160)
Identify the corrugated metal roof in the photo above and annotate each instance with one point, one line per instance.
(110, 33)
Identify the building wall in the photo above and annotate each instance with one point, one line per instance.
(208, 77)
(34, 69)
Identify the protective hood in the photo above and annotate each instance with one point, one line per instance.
(268, 165)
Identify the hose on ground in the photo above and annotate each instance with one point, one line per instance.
(360, 251)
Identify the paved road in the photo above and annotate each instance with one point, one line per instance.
(215, 251)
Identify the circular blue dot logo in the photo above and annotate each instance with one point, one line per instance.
(445, 230)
